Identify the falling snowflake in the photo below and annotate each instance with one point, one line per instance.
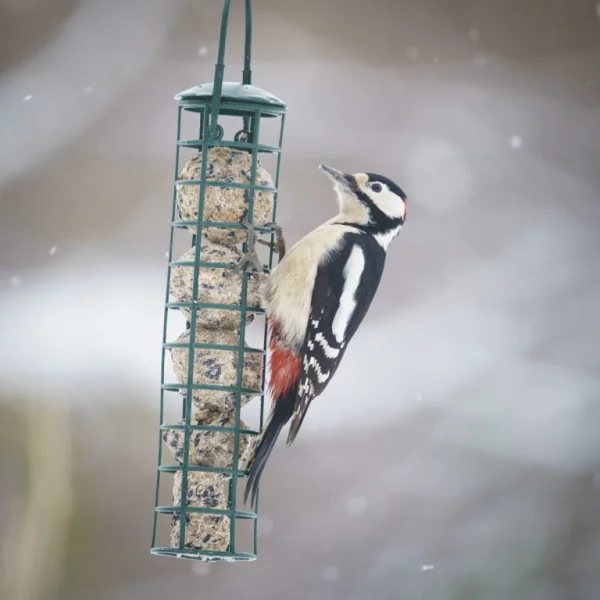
(479, 60)
(265, 527)
(202, 569)
(412, 53)
(99, 149)
(27, 98)
(598, 9)
(474, 35)
(356, 506)
(427, 567)
(516, 141)
(53, 250)
(436, 60)
(331, 574)
(15, 281)
(88, 90)
(202, 51)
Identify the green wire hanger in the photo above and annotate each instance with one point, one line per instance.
(214, 131)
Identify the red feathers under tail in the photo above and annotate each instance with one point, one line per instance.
(284, 364)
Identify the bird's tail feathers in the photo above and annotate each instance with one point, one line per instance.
(280, 415)
(297, 421)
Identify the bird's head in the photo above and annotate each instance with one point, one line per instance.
(368, 199)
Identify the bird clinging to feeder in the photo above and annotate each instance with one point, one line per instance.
(317, 296)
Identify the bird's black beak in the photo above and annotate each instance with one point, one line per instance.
(337, 176)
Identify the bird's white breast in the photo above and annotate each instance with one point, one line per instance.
(288, 291)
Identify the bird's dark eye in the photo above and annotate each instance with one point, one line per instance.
(376, 187)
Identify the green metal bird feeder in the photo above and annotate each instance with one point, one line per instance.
(217, 193)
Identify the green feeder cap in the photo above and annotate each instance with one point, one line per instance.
(232, 92)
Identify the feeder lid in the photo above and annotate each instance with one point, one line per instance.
(233, 92)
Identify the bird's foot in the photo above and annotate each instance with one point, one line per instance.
(250, 258)
(279, 240)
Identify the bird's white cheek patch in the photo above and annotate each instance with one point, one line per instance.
(390, 204)
(353, 271)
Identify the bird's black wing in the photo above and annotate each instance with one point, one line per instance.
(344, 288)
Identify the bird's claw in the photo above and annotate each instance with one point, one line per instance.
(279, 239)
(250, 257)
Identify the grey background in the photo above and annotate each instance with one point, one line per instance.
(456, 455)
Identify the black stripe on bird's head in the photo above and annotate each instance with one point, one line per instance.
(369, 199)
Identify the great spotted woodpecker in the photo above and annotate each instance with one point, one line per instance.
(317, 296)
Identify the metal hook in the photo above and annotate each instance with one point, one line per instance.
(220, 66)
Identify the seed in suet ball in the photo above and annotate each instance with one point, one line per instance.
(204, 490)
(225, 204)
(213, 400)
(202, 532)
(215, 286)
(216, 367)
(208, 448)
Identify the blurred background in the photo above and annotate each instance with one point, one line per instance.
(456, 455)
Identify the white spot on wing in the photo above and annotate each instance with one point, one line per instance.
(327, 349)
(321, 377)
(352, 274)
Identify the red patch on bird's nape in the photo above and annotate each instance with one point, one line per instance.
(284, 363)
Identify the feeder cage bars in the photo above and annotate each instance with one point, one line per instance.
(215, 371)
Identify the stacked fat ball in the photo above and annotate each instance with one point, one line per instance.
(216, 285)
